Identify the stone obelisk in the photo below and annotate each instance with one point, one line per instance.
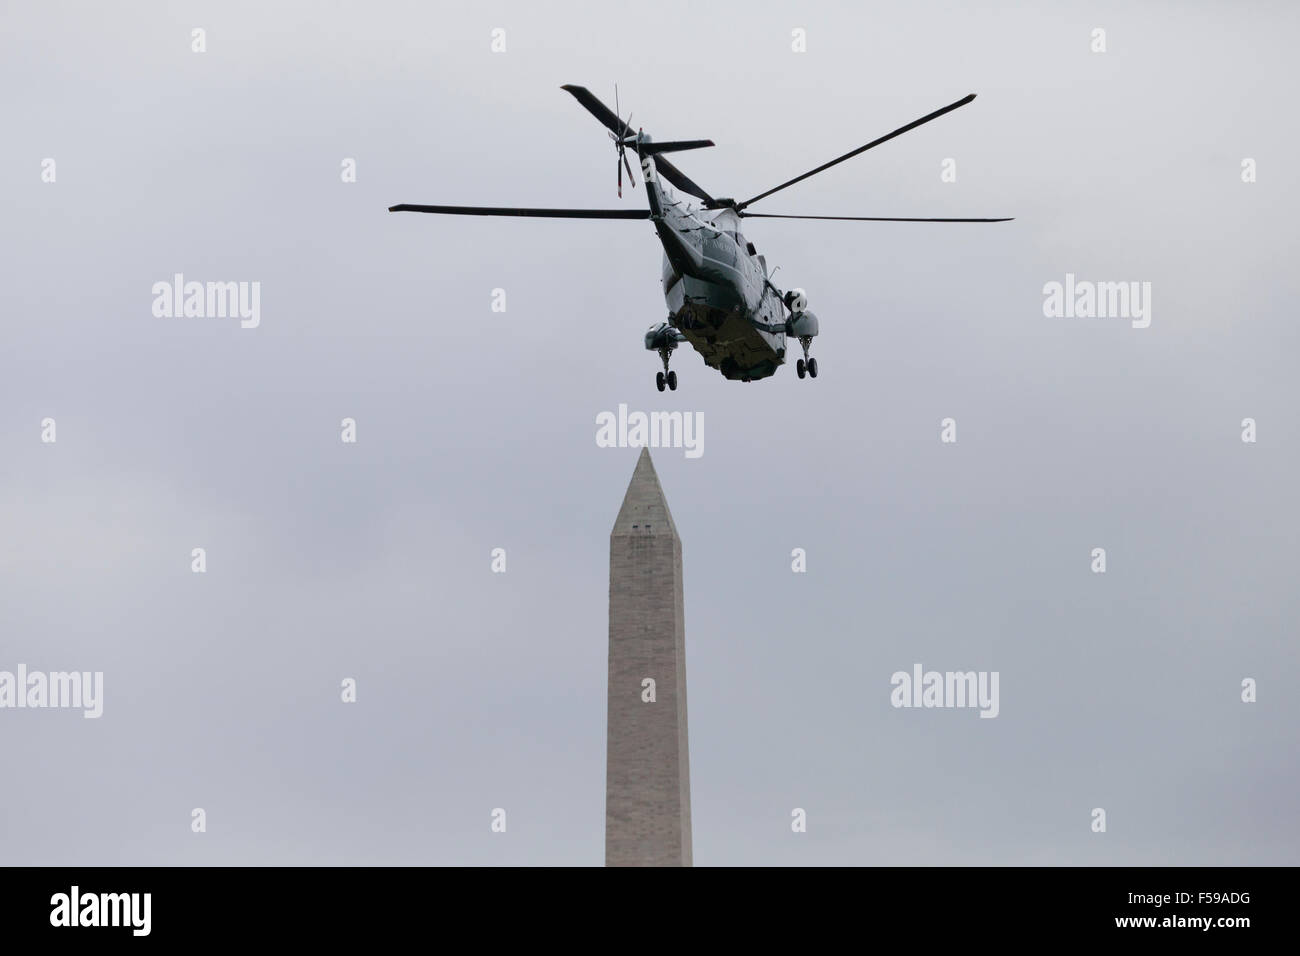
(647, 768)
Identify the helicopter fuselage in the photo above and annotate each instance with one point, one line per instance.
(717, 288)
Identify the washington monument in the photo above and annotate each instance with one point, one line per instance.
(647, 765)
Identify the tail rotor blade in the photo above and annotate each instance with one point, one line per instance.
(632, 181)
(623, 152)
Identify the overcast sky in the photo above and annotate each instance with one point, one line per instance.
(476, 430)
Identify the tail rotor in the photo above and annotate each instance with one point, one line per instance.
(620, 149)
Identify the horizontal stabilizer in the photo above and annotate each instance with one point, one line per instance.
(654, 149)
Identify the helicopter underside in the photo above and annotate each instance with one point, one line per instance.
(713, 319)
(727, 341)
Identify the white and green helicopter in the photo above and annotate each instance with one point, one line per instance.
(720, 294)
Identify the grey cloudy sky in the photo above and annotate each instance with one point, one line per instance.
(476, 431)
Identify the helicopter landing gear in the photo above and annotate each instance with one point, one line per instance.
(806, 365)
(666, 377)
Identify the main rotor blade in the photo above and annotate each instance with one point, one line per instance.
(535, 213)
(770, 215)
(862, 149)
(679, 179)
(599, 110)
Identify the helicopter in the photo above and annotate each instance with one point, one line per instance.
(720, 295)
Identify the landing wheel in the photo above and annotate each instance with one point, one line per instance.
(666, 377)
(812, 367)
(800, 368)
